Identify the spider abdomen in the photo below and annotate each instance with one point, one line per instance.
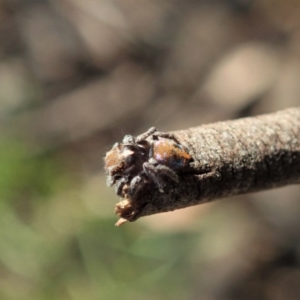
(169, 153)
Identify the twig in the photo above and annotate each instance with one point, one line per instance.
(230, 158)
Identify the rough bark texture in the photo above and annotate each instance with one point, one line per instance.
(232, 157)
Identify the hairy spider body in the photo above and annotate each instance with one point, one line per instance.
(158, 159)
(169, 153)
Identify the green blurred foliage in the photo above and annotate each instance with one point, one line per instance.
(51, 249)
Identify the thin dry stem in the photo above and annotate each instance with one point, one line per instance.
(230, 158)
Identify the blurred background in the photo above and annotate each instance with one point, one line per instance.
(75, 76)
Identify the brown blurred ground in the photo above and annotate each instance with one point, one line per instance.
(75, 76)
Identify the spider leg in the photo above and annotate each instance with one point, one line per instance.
(164, 170)
(146, 134)
(166, 135)
(168, 172)
(119, 186)
(135, 185)
(157, 174)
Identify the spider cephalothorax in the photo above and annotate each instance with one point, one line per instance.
(124, 161)
(157, 158)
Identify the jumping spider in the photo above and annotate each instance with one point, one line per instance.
(135, 158)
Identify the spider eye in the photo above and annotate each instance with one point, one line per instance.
(129, 160)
